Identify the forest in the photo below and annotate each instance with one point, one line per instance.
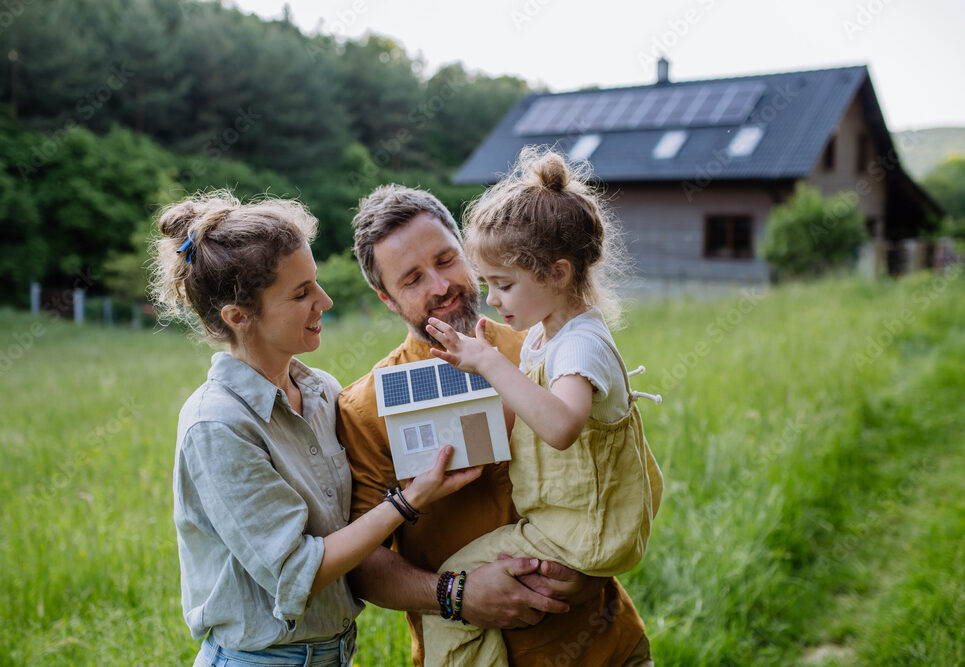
(112, 108)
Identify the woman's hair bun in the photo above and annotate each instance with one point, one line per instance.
(177, 219)
(552, 171)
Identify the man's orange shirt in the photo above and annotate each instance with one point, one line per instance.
(603, 631)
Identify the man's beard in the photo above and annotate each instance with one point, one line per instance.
(462, 320)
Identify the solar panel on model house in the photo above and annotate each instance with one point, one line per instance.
(425, 384)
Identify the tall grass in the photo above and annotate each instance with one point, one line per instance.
(811, 440)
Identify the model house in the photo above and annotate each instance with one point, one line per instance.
(429, 404)
(693, 168)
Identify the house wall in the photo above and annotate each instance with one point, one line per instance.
(449, 432)
(664, 225)
(867, 183)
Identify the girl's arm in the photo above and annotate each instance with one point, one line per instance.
(556, 416)
(349, 546)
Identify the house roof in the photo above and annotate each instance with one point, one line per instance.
(795, 114)
(430, 383)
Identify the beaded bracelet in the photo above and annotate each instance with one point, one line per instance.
(442, 593)
(457, 598)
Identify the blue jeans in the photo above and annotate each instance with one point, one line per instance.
(335, 652)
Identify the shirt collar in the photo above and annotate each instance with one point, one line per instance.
(247, 383)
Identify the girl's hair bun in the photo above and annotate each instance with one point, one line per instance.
(552, 172)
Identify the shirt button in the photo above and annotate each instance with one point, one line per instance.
(329, 493)
(345, 623)
(313, 450)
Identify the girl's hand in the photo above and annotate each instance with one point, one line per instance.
(461, 351)
(436, 483)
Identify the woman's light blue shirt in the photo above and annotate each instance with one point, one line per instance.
(256, 488)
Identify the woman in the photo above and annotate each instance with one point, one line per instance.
(261, 485)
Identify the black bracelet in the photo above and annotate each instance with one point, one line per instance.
(390, 496)
(398, 492)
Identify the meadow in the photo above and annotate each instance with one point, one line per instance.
(812, 439)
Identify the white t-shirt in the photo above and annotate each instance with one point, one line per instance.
(580, 348)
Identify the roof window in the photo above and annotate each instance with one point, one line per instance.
(669, 144)
(745, 141)
(583, 147)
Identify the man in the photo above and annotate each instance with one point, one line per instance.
(410, 251)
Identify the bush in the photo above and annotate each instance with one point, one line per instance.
(811, 235)
(341, 278)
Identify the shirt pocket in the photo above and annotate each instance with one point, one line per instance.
(343, 482)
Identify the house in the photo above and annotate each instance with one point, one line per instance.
(693, 168)
(428, 404)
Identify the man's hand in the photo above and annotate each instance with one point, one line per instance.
(559, 582)
(495, 599)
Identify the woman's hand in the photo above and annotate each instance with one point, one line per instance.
(436, 483)
(461, 351)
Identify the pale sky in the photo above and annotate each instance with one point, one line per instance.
(914, 49)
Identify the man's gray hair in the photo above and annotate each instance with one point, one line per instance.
(386, 209)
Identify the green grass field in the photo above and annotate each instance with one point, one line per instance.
(812, 440)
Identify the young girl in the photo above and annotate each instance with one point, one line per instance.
(584, 480)
(261, 484)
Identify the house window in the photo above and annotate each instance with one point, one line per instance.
(864, 154)
(827, 160)
(728, 237)
(419, 437)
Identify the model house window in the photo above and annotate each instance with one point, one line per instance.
(728, 237)
(419, 437)
(827, 160)
(864, 154)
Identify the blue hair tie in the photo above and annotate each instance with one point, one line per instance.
(188, 246)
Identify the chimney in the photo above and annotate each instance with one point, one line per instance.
(663, 70)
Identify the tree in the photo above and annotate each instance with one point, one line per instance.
(810, 235)
(946, 183)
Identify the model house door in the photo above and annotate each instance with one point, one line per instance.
(479, 445)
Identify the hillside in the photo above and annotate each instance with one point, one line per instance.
(922, 150)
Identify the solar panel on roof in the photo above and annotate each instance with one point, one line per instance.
(478, 382)
(424, 384)
(452, 379)
(687, 106)
(395, 389)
